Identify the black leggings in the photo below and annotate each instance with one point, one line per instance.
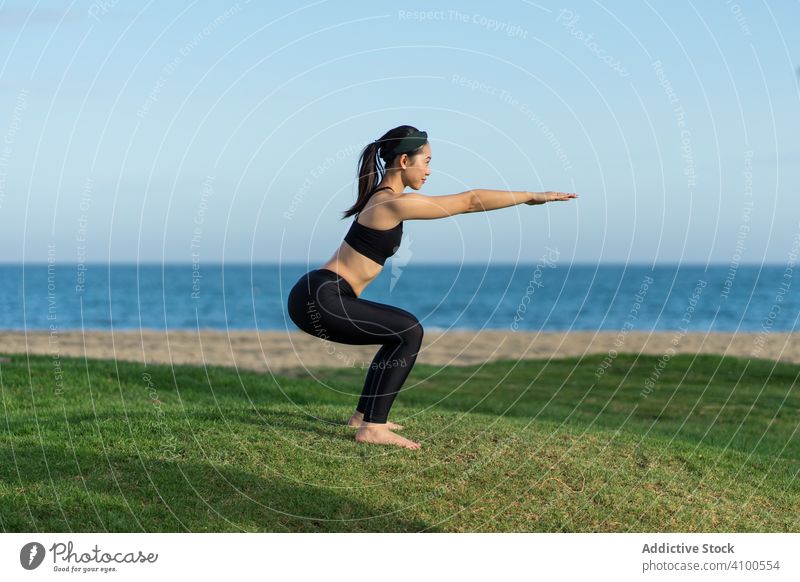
(322, 303)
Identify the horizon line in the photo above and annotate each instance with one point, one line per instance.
(425, 264)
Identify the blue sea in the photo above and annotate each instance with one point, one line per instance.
(545, 296)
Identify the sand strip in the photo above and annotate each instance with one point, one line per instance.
(281, 351)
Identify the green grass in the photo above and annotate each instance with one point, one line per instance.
(507, 446)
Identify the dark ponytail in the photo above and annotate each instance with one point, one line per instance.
(370, 168)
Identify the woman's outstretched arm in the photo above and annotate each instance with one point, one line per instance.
(414, 206)
(483, 200)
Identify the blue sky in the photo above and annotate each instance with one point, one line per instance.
(231, 131)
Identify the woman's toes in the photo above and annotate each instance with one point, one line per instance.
(384, 436)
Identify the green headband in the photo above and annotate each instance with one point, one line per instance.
(408, 144)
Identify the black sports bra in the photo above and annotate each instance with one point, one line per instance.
(374, 244)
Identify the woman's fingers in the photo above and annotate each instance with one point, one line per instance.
(551, 196)
(564, 196)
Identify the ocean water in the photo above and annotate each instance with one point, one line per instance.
(546, 296)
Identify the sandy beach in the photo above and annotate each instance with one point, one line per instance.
(281, 352)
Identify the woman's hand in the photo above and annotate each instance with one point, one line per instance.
(542, 197)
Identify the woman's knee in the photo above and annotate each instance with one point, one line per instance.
(414, 332)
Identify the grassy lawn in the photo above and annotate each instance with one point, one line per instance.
(509, 446)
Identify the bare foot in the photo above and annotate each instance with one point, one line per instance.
(380, 435)
(358, 417)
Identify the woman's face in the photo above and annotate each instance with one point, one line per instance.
(417, 168)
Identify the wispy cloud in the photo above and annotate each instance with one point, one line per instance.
(15, 17)
(18, 16)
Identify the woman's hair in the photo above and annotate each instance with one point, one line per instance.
(370, 169)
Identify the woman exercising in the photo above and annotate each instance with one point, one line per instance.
(326, 302)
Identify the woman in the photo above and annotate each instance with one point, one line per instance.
(326, 302)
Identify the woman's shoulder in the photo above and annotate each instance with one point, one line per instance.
(378, 212)
(380, 197)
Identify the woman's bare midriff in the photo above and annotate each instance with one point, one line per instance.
(354, 267)
(357, 269)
